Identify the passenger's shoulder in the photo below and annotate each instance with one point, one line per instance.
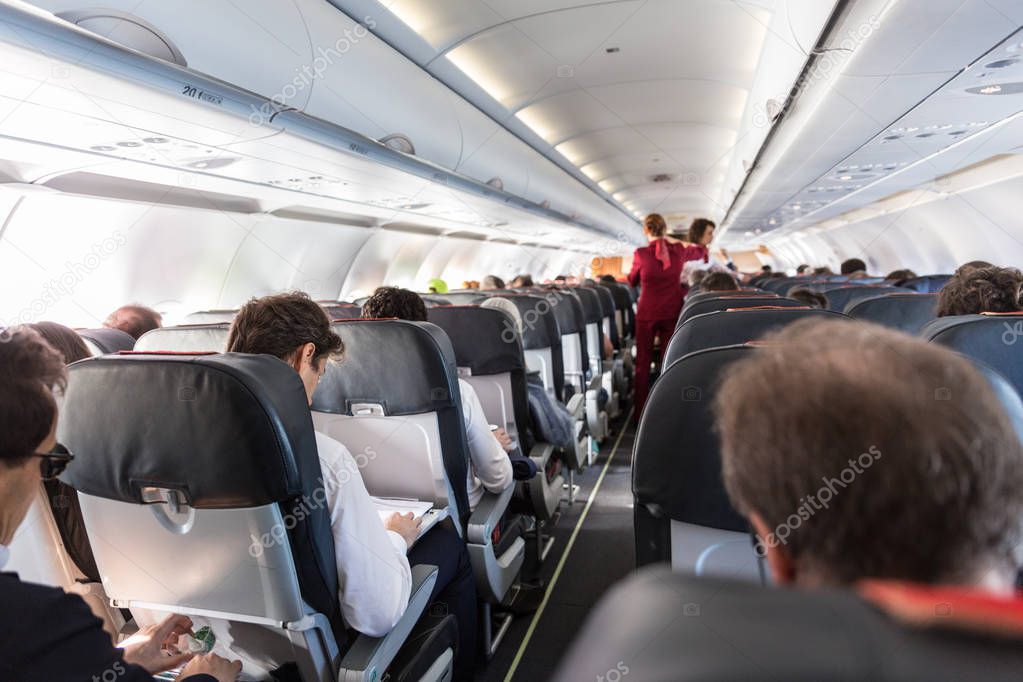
(333, 454)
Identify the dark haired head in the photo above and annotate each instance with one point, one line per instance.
(766, 268)
(899, 276)
(655, 226)
(972, 265)
(822, 270)
(810, 298)
(719, 281)
(608, 279)
(280, 325)
(853, 265)
(803, 269)
(987, 290)
(522, 282)
(395, 302)
(134, 319)
(699, 228)
(30, 370)
(492, 282)
(64, 340)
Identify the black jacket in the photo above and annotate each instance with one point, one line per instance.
(48, 635)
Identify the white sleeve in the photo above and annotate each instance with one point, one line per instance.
(374, 578)
(489, 460)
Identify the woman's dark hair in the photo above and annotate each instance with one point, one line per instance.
(698, 228)
(655, 225)
(64, 340)
(719, 281)
(278, 325)
(972, 265)
(853, 265)
(395, 302)
(30, 369)
(810, 298)
(823, 270)
(899, 276)
(987, 290)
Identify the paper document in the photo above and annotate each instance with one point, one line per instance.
(390, 505)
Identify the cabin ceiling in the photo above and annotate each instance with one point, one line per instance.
(655, 101)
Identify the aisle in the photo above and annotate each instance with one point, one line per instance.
(601, 554)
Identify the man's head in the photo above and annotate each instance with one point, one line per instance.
(803, 269)
(134, 319)
(972, 265)
(522, 282)
(291, 327)
(853, 265)
(492, 283)
(696, 277)
(719, 281)
(859, 452)
(822, 270)
(395, 302)
(30, 370)
(899, 276)
(608, 279)
(810, 298)
(982, 290)
(766, 269)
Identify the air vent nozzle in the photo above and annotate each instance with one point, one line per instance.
(399, 143)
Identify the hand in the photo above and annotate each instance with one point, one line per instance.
(404, 525)
(154, 646)
(213, 665)
(504, 439)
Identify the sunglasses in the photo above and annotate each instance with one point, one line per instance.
(54, 462)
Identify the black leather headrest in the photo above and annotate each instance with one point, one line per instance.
(539, 324)
(928, 284)
(658, 625)
(729, 302)
(676, 470)
(622, 297)
(484, 339)
(841, 297)
(592, 310)
(781, 285)
(607, 302)
(700, 296)
(730, 327)
(228, 431)
(567, 309)
(466, 297)
(407, 367)
(995, 340)
(907, 312)
(108, 340)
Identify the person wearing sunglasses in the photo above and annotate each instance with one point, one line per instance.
(46, 633)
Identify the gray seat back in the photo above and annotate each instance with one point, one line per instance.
(194, 338)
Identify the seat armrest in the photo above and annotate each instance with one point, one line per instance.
(488, 514)
(576, 406)
(595, 382)
(368, 657)
(540, 453)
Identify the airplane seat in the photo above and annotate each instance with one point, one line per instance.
(191, 338)
(394, 401)
(215, 509)
(927, 284)
(624, 315)
(341, 311)
(615, 383)
(682, 515)
(693, 299)
(734, 302)
(492, 361)
(736, 326)
(103, 341)
(210, 317)
(568, 311)
(907, 312)
(714, 630)
(991, 338)
(839, 298)
(472, 297)
(781, 285)
(434, 301)
(597, 417)
(541, 342)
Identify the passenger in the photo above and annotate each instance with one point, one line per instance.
(608, 279)
(972, 265)
(561, 280)
(64, 340)
(822, 271)
(437, 286)
(46, 633)
(492, 283)
(829, 427)
(984, 290)
(899, 276)
(490, 468)
(470, 284)
(134, 319)
(719, 281)
(803, 269)
(657, 269)
(696, 278)
(810, 298)
(854, 267)
(522, 282)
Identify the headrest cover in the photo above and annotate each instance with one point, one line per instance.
(539, 325)
(484, 339)
(994, 341)
(342, 312)
(227, 431)
(726, 302)
(108, 340)
(186, 339)
(407, 367)
(592, 308)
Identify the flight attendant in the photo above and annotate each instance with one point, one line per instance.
(657, 270)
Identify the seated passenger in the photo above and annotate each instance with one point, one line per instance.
(803, 269)
(857, 452)
(492, 283)
(437, 286)
(696, 277)
(972, 265)
(373, 570)
(822, 270)
(64, 340)
(134, 319)
(854, 267)
(46, 633)
(719, 281)
(608, 279)
(522, 282)
(897, 277)
(810, 298)
(490, 467)
(983, 290)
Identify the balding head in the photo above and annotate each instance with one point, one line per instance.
(134, 319)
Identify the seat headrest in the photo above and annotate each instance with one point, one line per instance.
(227, 431)
(677, 463)
(908, 312)
(693, 298)
(994, 340)
(340, 311)
(927, 284)
(406, 367)
(107, 340)
(593, 311)
(193, 338)
(607, 303)
(567, 309)
(210, 317)
(620, 292)
(539, 324)
(727, 302)
(484, 339)
(841, 297)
